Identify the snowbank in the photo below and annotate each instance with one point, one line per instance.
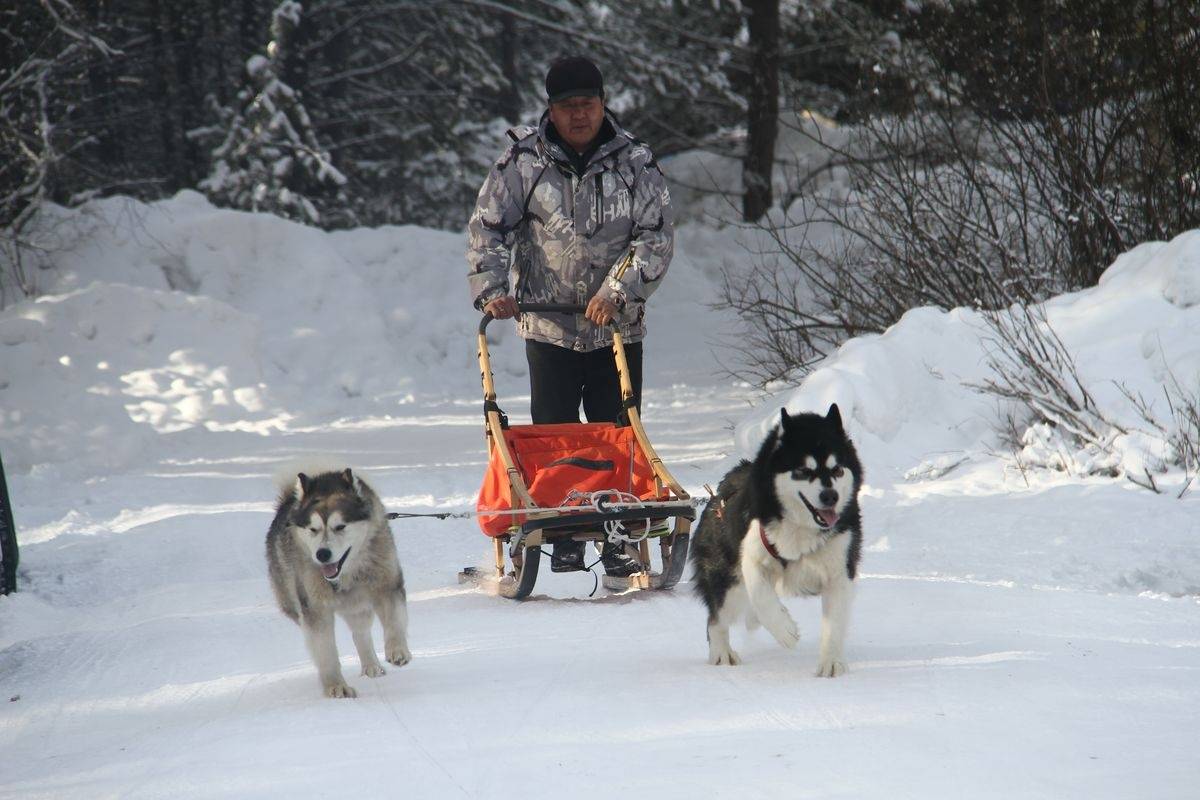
(156, 320)
(165, 317)
(905, 392)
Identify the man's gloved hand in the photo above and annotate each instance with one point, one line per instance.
(600, 311)
(502, 307)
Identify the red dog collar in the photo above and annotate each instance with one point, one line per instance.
(762, 534)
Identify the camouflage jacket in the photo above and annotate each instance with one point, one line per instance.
(565, 235)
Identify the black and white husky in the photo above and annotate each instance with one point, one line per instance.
(330, 550)
(786, 523)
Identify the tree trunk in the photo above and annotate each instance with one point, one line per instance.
(166, 98)
(510, 98)
(219, 49)
(252, 32)
(187, 53)
(762, 114)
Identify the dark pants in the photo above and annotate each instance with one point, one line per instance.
(560, 378)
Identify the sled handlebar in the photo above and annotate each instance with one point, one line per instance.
(553, 308)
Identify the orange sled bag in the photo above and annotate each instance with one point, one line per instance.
(555, 459)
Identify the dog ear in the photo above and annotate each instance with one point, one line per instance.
(834, 416)
(770, 443)
(352, 481)
(302, 481)
(780, 430)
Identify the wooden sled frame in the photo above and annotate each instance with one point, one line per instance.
(516, 570)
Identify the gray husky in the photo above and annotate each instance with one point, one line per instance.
(786, 523)
(330, 550)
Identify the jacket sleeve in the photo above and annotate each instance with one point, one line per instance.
(652, 241)
(491, 230)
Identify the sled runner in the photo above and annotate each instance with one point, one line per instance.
(579, 481)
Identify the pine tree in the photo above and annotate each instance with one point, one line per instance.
(270, 159)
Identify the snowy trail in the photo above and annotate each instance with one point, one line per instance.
(149, 659)
(1015, 635)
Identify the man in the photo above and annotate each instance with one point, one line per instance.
(564, 207)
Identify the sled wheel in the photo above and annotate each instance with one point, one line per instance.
(519, 583)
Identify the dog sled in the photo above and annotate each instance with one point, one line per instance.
(597, 482)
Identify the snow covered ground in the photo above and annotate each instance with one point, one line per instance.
(1014, 635)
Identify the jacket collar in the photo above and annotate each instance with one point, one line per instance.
(620, 139)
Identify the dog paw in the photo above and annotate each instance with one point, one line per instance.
(831, 668)
(339, 690)
(373, 670)
(726, 658)
(786, 632)
(398, 655)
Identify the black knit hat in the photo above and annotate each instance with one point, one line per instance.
(573, 76)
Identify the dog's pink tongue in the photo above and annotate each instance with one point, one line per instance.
(330, 570)
(828, 516)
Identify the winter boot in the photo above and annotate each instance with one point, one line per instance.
(617, 561)
(567, 556)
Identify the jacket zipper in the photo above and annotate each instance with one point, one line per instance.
(599, 209)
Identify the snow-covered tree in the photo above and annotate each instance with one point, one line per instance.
(50, 45)
(270, 159)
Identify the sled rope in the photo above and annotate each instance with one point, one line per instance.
(592, 503)
(590, 569)
(443, 515)
(610, 500)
